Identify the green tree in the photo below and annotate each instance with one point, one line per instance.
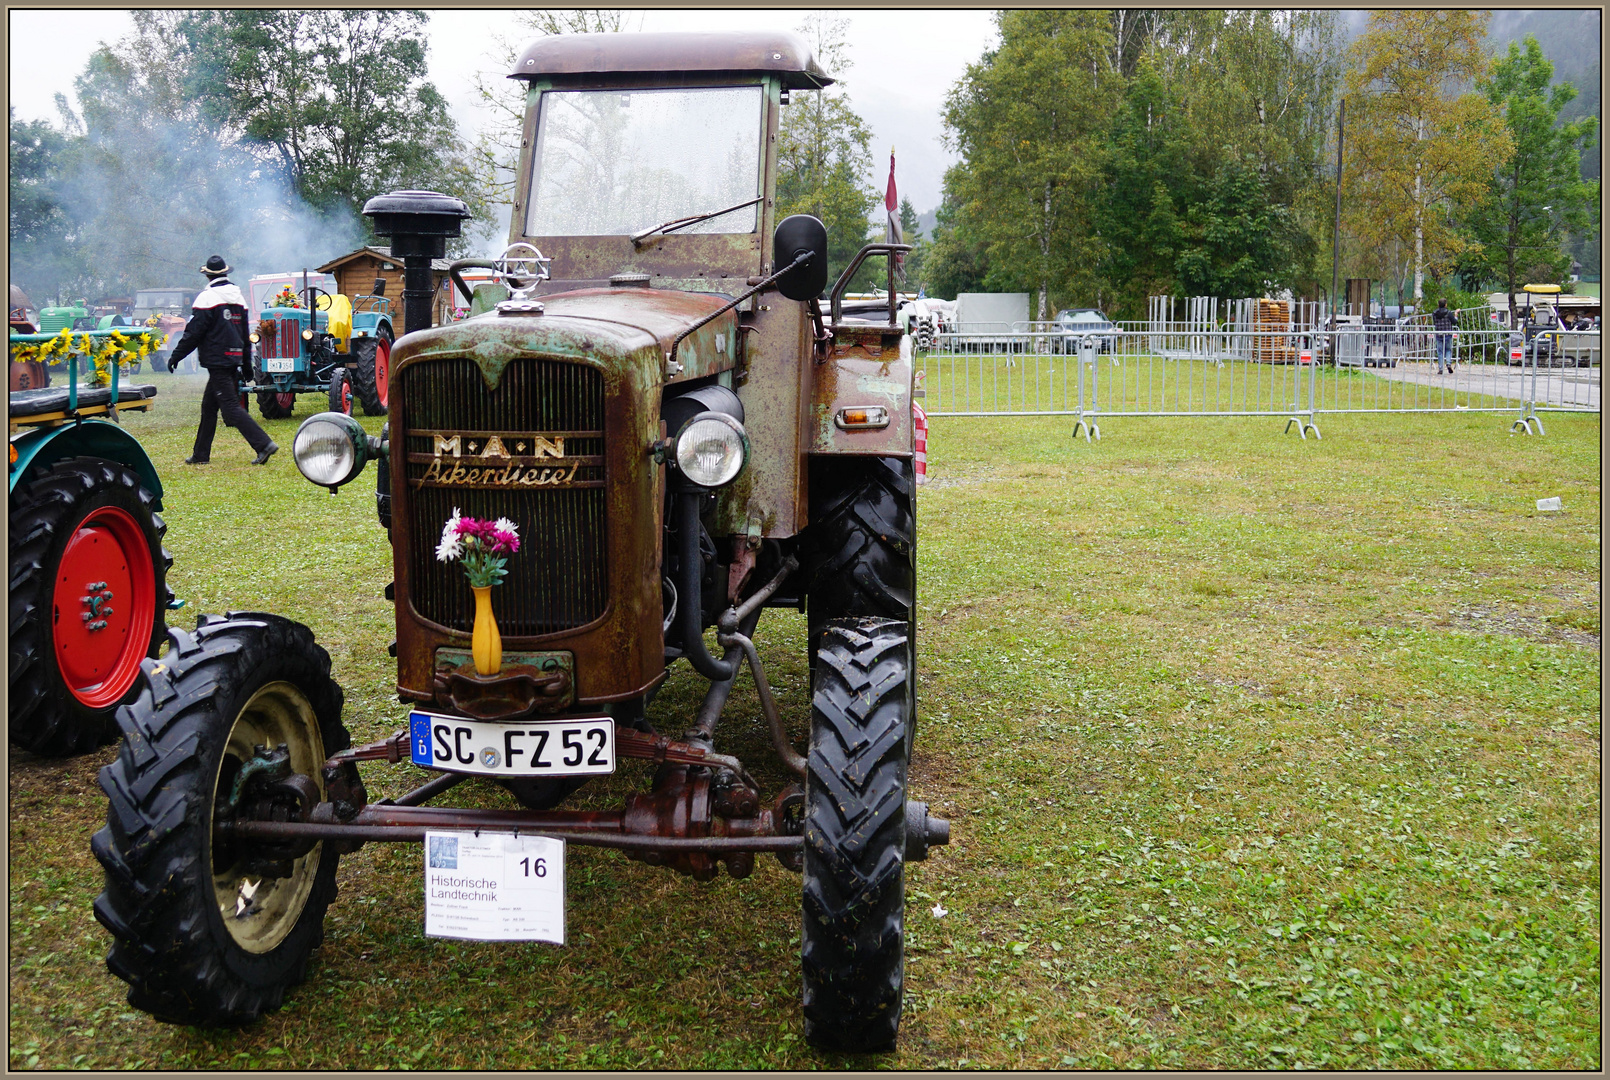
(1415, 153)
(1538, 198)
(956, 260)
(1027, 120)
(1221, 110)
(46, 255)
(824, 155)
(337, 99)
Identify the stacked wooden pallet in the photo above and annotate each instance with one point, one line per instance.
(1273, 323)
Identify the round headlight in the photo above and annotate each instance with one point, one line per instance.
(711, 449)
(307, 335)
(325, 451)
(254, 338)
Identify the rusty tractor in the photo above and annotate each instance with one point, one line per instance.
(654, 396)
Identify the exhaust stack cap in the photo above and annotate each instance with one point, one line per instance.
(418, 222)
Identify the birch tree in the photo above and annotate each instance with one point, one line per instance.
(1417, 154)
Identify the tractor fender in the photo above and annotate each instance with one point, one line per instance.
(865, 366)
(38, 449)
(370, 323)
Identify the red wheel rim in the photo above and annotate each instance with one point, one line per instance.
(382, 369)
(106, 572)
(346, 397)
(285, 401)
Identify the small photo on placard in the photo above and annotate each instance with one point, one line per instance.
(494, 887)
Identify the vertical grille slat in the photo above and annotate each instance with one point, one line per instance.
(557, 580)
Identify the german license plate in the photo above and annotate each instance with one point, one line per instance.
(574, 747)
(279, 367)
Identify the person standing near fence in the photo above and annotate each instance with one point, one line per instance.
(1444, 322)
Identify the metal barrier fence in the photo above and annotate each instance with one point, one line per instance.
(1148, 369)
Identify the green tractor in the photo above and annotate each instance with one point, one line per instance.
(648, 428)
(89, 573)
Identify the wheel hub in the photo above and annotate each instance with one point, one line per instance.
(103, 602)
(261, 887)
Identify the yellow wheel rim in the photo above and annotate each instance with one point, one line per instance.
(259, 912)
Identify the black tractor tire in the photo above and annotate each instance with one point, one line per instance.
(200, 939)
(852, 941)
(275, 405)
(84, 517)
(371, 378)
(862, 553)
(863, 541)
(340, 394)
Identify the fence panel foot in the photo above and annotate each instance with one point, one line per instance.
(1090, 429)
(1304, 426)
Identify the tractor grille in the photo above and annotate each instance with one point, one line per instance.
(279, 337)
(557, 580)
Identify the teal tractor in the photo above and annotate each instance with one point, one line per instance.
(322, 343)
(89, 591)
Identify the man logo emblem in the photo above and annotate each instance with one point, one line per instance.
(490, 757)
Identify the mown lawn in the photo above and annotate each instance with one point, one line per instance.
(1259, 752)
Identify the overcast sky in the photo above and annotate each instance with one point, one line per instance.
(903, 64)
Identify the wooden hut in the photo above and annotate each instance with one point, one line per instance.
(356, 272)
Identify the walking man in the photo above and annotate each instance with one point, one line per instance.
(1445, 323)
(216, 333)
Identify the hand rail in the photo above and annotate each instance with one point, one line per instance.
(836, 297)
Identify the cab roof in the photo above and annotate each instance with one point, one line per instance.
(747, 52)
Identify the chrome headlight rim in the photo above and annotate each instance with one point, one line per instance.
(330, 449)
(686, 447)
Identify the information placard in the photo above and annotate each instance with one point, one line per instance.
(494, 887)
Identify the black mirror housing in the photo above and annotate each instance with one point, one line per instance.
(800, 234)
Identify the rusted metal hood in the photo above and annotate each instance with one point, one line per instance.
(601, 325)
(738, 52)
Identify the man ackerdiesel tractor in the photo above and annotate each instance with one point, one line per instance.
(653, 396)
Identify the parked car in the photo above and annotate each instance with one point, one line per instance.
(1076, 324)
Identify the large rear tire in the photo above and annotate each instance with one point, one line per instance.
(207, 932)
(372, 376)
(853, 935)
(88, 598)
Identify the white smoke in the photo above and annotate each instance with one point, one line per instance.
(152, 205)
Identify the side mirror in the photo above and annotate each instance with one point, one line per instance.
(797, 235)
(380, 286)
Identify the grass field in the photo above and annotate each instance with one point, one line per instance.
(1259, 752)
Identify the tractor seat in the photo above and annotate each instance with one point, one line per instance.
(53, 399)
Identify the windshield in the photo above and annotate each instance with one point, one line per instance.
(616, 162)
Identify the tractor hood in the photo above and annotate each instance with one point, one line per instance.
(610, 327)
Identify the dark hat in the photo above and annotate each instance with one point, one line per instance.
(216, 267)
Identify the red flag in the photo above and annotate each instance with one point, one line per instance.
(891, 203)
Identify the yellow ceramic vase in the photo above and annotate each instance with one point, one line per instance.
(486, 644)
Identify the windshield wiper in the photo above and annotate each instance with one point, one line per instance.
(683, 222)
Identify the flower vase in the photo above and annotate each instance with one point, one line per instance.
(486, 644)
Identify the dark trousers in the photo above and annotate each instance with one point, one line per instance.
(223, 396)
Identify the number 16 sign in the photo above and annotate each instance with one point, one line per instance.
(494, 887)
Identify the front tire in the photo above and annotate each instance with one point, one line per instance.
(864, 541)
(372, 376)
(853, 935)
(275, 405)
(200, 936)
(340, 395)
(76, 651)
